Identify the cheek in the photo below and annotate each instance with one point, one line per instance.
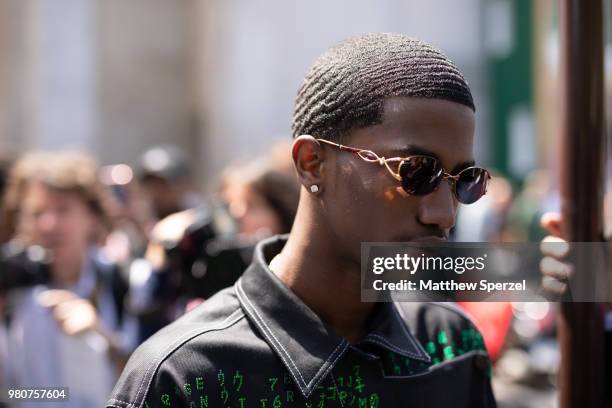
(81, 225)
(362, 180)
(359, 198)
(369, 204)
(353, 189)
(27, 226)
(372, 190)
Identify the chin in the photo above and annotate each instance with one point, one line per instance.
(61, 255)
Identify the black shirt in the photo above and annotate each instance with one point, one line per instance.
(257, 344)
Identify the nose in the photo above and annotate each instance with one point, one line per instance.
(47, 221)
(439, 208)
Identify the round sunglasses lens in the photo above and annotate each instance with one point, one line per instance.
(472, 185)
(420, 175)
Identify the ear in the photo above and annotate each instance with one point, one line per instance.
(308, 157)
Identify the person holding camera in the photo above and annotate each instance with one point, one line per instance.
(193, 254)
(70, 314)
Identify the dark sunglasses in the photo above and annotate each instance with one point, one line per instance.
(421, 175)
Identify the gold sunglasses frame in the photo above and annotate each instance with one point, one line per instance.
(371, 157)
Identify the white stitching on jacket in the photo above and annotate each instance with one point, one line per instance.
(308, 387)
(376, 338)
(179, 341)
(415, 343)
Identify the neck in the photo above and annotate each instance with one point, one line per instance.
(312, 267)
(66, 272)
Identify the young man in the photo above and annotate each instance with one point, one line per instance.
(293, 331)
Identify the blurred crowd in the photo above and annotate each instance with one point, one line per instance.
(94, 260)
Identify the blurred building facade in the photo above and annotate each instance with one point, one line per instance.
(218, 78)
(109, 76)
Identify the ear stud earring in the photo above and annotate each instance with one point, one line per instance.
(314, 188)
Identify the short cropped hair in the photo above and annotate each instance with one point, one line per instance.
(346, 87)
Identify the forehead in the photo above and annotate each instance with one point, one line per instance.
(444, 128)
(37, 193)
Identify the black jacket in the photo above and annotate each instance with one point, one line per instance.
(257, 345)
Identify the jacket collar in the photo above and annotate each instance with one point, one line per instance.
(306, 346)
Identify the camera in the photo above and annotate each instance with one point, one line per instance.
(23, 266)
(209, 257)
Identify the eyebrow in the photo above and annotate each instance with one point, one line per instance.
(412, 150)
